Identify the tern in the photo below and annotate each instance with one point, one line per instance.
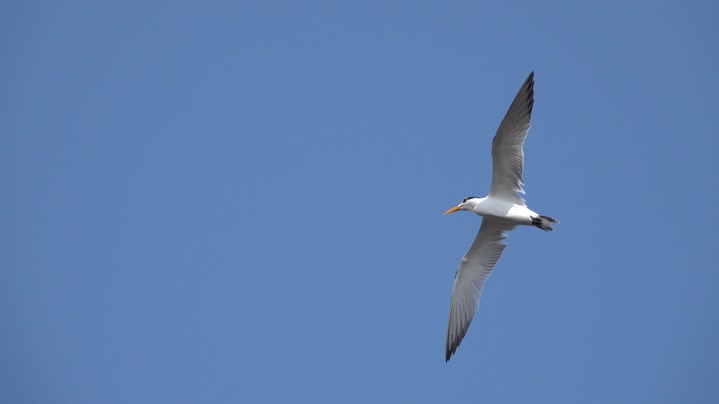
(502, 210)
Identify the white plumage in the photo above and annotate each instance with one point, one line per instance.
(502, 210)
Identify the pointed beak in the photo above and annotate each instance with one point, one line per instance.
(454, 209)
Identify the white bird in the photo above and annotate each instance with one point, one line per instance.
(502, 210)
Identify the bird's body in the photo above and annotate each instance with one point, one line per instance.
(502, 210)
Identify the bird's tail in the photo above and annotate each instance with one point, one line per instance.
(544, 222)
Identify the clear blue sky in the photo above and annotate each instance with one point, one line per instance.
(227, 202)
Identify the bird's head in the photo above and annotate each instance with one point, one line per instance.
(467, 204)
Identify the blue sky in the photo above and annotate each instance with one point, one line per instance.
(242, 201)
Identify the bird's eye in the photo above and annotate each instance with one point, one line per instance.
(464, 200)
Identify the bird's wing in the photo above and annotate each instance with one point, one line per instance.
(475, 267)
(507, 152)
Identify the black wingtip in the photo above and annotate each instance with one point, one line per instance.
(528, 90)
(451, 349)
(530, 79)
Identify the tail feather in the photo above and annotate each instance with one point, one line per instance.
(544, 222)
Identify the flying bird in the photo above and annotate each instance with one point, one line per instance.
(502, 210)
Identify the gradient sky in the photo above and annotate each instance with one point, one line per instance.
(227, 202)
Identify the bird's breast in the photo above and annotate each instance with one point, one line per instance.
(504, 210)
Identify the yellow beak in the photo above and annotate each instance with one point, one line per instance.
(454, 209)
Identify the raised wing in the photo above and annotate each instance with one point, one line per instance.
(475, 267)
(507, 152)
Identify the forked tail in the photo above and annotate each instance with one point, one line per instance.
(544, 222)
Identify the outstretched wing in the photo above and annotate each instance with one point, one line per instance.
(475, 267)
(507, 146)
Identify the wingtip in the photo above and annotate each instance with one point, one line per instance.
(451, 349)
(530, 79)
